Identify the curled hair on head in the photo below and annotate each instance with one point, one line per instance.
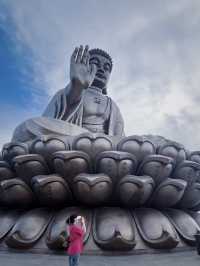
(98, 51)
(71, 219)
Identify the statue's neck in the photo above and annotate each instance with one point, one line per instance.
(94, 88)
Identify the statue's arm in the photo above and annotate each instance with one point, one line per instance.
(116, 127)
(63, 101)
(81, 74)
(119, 127)
(73, 94)
(53, 106)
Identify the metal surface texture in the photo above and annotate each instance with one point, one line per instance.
(93, 144)
(6, 171)
(114, 229)
(51, 190)
(116, 164)
(134, 191)
(168, 193)
(15, 193)
(159, 167)
(155, 228)
(137, 193)
(71, 163)
(30, 165)
(13, 149)
(173, 150)
(185, 225)
(92, 189)
(138, 146)
(8, 219)
(29, 228)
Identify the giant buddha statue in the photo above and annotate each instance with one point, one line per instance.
(137, 193)
(83, 101)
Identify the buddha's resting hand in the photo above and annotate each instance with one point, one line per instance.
(81, 72)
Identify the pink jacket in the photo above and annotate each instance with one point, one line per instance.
(76, 235)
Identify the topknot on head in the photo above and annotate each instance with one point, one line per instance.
(98, 51)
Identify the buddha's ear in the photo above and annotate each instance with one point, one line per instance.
(104, 91)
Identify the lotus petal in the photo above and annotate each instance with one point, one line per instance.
(191, 198)
(116, 164)
(184, 224)
(13, 149)
(15, 193)
(196, 216)
(93, 144)
(30, 165)
(195, 156)
(168, 193)
(137, 145)
(92, 189)
(29, 228)
(51, 190)
(114, 229)
(58, 226)
(68, 164)
(5, 171)
(134, 191)
(8, 219)
(159, 167)
(188, 171)
(46, 145)
(156, 140)
(155, 229)
(174, 150)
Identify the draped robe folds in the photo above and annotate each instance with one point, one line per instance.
(59, 108)
(61, 118)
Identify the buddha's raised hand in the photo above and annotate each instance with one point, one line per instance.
(81, 72)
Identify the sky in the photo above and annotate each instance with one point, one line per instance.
(154, 46)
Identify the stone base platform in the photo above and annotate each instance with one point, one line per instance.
(182, 258)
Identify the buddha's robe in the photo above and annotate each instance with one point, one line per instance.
(94, 111)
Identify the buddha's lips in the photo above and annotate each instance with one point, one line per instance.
(99, 75)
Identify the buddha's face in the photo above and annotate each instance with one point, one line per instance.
(104, 68)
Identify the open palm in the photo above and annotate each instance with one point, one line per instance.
(81, 72)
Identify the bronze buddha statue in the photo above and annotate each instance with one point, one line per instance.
(136, 192)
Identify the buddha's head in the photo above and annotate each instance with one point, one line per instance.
(103, 62)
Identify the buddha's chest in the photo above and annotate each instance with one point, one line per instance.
(95, 105)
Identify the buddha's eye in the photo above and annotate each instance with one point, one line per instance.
(94, 61)
(107, 67)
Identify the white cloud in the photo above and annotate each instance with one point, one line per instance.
(155, 49)
(11, 117)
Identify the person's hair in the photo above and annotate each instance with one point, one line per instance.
(71, 219)
(98, 51)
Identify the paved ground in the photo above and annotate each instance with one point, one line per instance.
(187, 258)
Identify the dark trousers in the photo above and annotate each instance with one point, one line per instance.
(74, 260)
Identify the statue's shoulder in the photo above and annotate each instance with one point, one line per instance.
(114, 105)
(59, 93)
(54, 103)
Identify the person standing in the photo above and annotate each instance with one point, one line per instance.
(76, 229)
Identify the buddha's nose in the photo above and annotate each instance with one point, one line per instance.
(101, 71)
